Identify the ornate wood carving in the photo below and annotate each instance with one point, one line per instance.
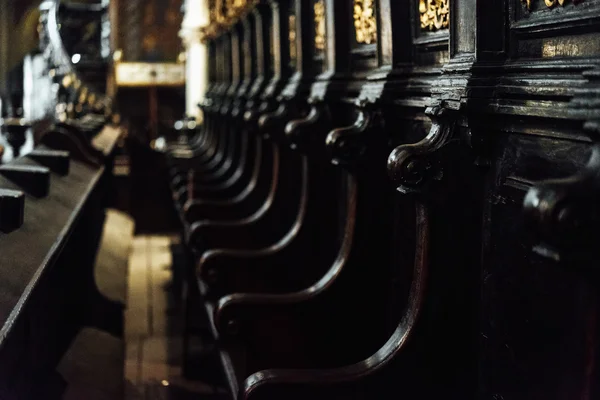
(413, 166)
(297, 131)
(292, 36)
(348, 145)
(435, 14)
(320, 27)
(365, 21)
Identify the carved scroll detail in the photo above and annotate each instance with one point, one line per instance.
(298, 131)
(365, 21)
(346, 144)
(320, 29)
(435, 14)
(413, 166)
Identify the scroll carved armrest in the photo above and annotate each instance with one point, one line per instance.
(412, 167)
(225, 109)
(565, 213)
(253, 112)
(300, 131)
(347, 145)
(271, 123)
(236, 110)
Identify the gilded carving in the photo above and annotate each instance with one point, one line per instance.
(320, 30)
(549, 3)
(292, 38)
(435, 14)
(365, 22)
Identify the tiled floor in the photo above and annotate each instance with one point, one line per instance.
(153, 326)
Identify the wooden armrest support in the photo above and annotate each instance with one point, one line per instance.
(233, 235)
(230, 271)
(297, 384)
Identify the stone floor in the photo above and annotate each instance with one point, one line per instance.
(135, 352)
(153, 340)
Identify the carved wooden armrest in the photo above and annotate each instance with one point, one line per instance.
(236, 111)
(270, 384)
(414, 167)
(565, 213)
(300, 131)
(242, 307)
(347, 144)
(271, 123)
(253, 112)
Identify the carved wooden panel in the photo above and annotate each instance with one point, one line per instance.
(434, 14)
(364, 33)
(430, 29)
(549, 29)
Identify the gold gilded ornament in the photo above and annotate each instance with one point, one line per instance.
(435, 14)
(320, 30)
(365, 22)
(292, 38)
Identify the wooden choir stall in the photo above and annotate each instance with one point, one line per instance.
(395, 199)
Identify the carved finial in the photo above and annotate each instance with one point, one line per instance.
(413, 166)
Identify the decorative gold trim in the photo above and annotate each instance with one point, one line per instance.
(320, 28)
(549, 3)
(292, 38)
(365, 21)
(435, 14)
(223, 14)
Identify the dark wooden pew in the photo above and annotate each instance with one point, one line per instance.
(52, 210)
(453, 153)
